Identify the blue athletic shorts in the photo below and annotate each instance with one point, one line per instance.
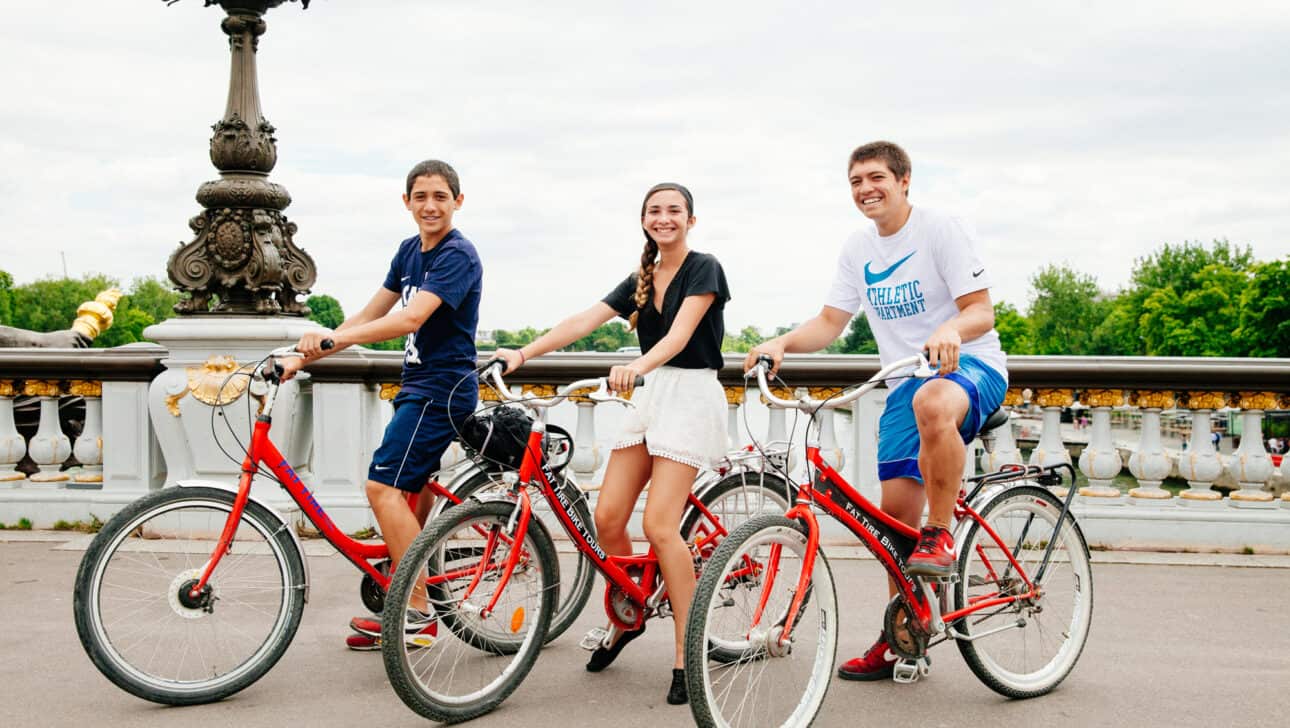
(414, 442)
(898, 440)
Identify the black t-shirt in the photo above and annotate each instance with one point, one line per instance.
(700, 273)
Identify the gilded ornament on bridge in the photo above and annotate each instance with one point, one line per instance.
(781, 392)
(85, 388)
(389, 391)
(1202, 400)
(1102, 397)
(580, 395)
(40, 388)
(1054, 397)
(1151, 399)
(734, 395)
(541, 391)
(487, 393)
(6, 388)
(214, 383)
(823, 393)
(1283, 401)
(94, 317)
(1013, 397)
(1257, 400)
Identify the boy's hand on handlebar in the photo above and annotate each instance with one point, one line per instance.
(311, 344)
(943, 349)
(772, 349)
(623, 378)
(514, 360)
(288, 366)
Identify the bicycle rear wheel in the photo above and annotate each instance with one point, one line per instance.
(736, 499)
(147, 634)
(742, 606)
(472, 663)
(1025, 648)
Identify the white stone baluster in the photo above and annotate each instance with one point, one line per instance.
(1051, 450)
(50, 448)
(12, 444)
(1100, 462)
(587, 457)
(1150, 464)
(830, 450)
(1251, 465)
(734, 398)
(1004, 451)
(88, 448)
(1200, 464)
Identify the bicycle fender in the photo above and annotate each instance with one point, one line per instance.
(295, 537)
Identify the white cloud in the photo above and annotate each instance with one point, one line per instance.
(1086, 133)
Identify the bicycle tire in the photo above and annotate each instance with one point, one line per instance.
(575, 592)
(134, 554)
(775, 497)
(1024, 516)
(452, 696)
(782, 691)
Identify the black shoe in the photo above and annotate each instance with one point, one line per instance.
(604, 656)
(677, 694)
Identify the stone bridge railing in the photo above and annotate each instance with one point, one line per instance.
(131, 424)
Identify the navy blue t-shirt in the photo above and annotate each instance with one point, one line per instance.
(442, 351)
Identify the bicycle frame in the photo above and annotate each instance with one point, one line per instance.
(615, 569)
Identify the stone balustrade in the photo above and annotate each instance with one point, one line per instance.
(1231, 499)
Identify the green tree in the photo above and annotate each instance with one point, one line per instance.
(50, 304)
(1198, 320)
(607, 337)
(6, 298)
(1265, 311)
(153, 296)
(858, 339)
(1013, 329)
(325, 310)
(1065, 308)
(749, 337)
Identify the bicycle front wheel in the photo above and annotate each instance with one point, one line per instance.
(742, 606)
(1024, 648)
(139, 622)
(469, 662)
(576, 573)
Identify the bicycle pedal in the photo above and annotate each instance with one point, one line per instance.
(594, 639)
(907, 672)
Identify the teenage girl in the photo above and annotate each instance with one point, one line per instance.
(674, 301)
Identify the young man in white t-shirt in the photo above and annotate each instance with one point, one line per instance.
(918, 276)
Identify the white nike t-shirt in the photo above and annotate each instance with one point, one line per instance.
(907, 284)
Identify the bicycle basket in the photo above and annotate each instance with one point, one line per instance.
(498, 435)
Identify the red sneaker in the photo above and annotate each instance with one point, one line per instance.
(876, 664)
(934, 554)
(363, 642)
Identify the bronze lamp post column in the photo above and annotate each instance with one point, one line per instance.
(243, 259)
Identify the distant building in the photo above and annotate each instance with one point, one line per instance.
(484, 336)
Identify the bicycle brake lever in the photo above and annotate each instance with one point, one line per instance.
(923, 370)
(602, 394)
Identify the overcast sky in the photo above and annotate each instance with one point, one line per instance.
(1086, 133)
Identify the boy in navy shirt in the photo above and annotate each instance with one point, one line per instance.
(437, 277)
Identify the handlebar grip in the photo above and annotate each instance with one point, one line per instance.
(327, 344)
(495, 361)
(640, 381)
(765, 359)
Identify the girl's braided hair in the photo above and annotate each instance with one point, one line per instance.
(645, 275)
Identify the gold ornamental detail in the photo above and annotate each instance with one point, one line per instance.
(734, 395)
(40, 388)
(218, 381)
(580, 395)
(1054, 397)
(85, 388)
(6, 388)
(1143, 399)
(94, 317)
(1257, 400)
(823, 393)
(389, 391)
(486, 392)
(1102, 397)
(781, 392)
(1013, 397)
(1203, 400)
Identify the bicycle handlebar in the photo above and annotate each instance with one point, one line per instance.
(764, 362)
(493, 371)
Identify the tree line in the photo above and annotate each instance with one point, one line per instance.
(1187, 299)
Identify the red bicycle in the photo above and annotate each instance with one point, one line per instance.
(192, 593)
(491, 572)
(1019, 604)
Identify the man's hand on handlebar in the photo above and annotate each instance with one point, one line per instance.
(288, 366)
(772, 349)
(943, 349)
(514, 360)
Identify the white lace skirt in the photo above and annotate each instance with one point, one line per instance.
(680, 415)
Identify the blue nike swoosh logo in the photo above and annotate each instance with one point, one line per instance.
(871, 278)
